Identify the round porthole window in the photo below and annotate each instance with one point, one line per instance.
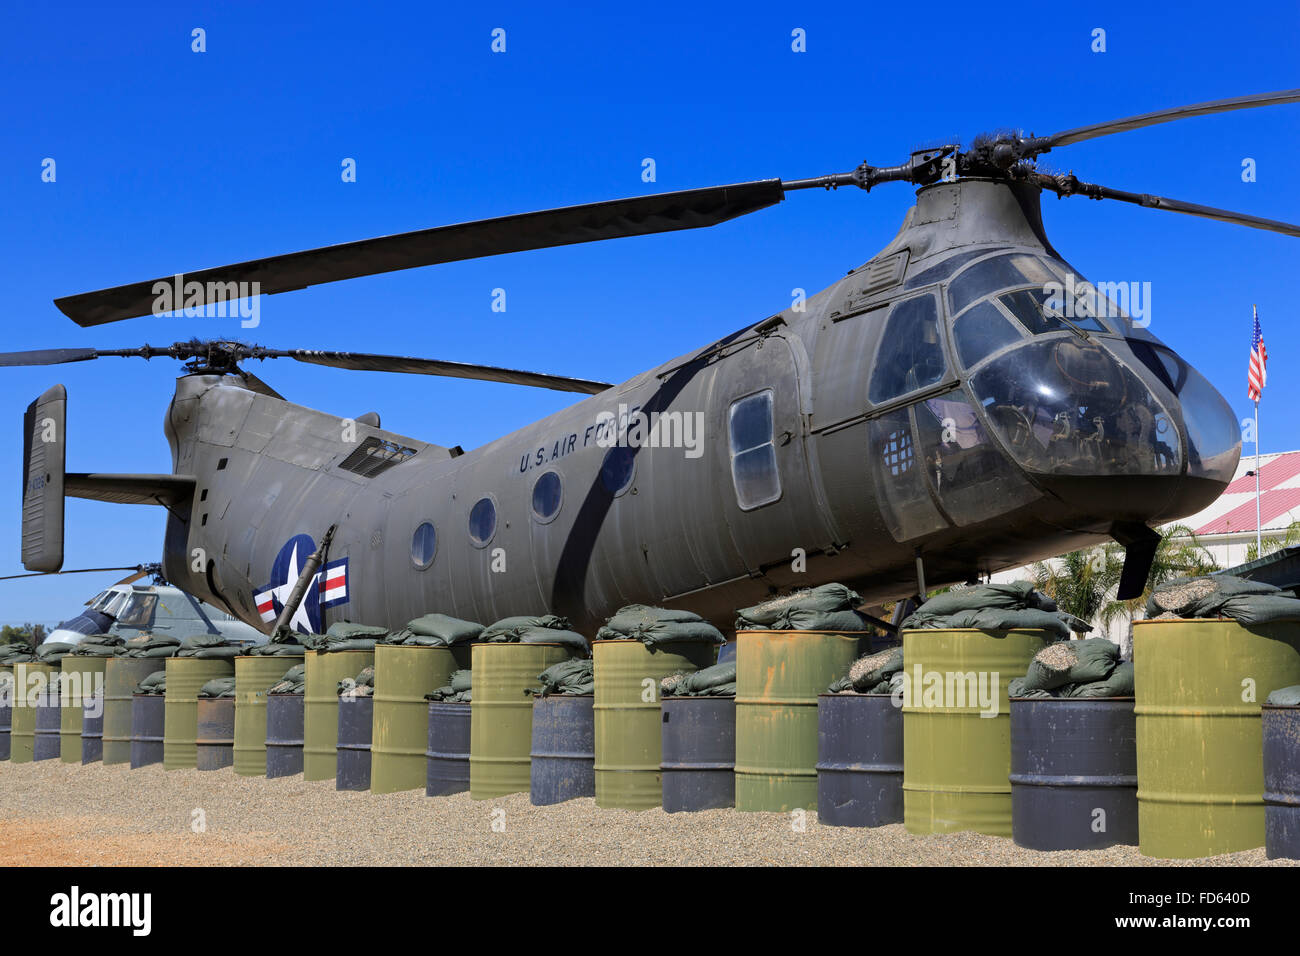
(482, 522)
(617, 469)
(424, 545)
(546, 497)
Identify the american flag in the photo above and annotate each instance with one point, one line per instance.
(1258, 360)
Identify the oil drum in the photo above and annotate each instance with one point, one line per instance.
(699, 753)
(563, 750)
(859, 760)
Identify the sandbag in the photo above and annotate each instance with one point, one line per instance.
(1285, 697)
(152, 645)
(548, 629)
(508, 628)
(294, 681)
(218, 687)
(436, 630)
(716, 681)
(1072, 662)
(1223, 595)
(1014, 595)
(1118, 684)
(632, 616)
(282, 642)
(1016, 688)
(869, 672)
(52, 652)
(574, 677)
(994, 619)
(458, 690)
(155, 683)
(804, 607)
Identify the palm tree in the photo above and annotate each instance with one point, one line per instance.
(1083, 583)
(1271, 544)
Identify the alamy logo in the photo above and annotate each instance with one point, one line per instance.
(74, 908)
(946, 690)
(633, 428)
(200, 300)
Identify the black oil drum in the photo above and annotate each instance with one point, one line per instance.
(859, 760)
(283, 735)
(1281, 782)
(563, 751)
(356, 720)
(214, 738)
(1073, 773)
(49, 721)
(448, 753)
(147, 713)
(699, 753)
(92, 728)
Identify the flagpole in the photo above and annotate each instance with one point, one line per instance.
(1259, 534)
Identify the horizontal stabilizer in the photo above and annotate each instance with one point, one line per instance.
(130, 489)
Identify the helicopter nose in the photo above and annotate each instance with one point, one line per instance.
(1147, 439)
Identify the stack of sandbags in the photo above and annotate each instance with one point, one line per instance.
(363, 685)
(658, 627)
(436, 630)
(544, 629)
(152, 645)
(572, 678)
(293, 681)
(458, 691)
(826, 608)
(992, 607)
(100, 645)
(218, 687)
(155, 683)
(871, 674)
(1087, 668)
(716, 681)
(345, 636)
(1222, 595)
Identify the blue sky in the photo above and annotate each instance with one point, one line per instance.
(170, 160)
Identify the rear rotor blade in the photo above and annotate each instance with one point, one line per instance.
(361, 361)
(1070, 185)
(47, 357)
(1042, 144)
(638, 216)
(42, 574)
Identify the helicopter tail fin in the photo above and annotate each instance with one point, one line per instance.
(44, 455)
(46, 484)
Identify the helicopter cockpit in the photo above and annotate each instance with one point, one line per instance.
(1073, 386)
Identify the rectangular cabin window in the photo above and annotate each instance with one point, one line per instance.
(753, 454)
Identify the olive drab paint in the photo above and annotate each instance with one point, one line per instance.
(254, 676)
(185, 676)
(399, 743)
(320, 714)
(121, 675)
(957, 742)
(1199, 731)
(779, 675)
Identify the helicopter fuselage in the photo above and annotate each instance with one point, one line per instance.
(934, 403)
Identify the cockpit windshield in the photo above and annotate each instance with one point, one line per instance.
(1067, 406)
(138, 611)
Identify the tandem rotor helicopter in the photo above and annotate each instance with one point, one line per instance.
(942, 412)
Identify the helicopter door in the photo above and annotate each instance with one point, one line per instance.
(768, 501)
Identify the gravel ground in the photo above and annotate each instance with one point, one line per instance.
(47, 818)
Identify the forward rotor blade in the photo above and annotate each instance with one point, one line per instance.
(1069, 186)
(638, 216)
(361, 361)
(1079, 134)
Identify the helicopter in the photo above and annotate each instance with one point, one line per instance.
(126, 609)
(962, 403)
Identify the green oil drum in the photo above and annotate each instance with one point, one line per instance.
(1200, 684)
(254, 675)
(83, 677)
(779, 675)
(185, 676)
(121, 675)
(320, 709)
(957, 727)
(6, 709)
(30, 680)
(501, 715)
(628, 723)
(399, 738)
